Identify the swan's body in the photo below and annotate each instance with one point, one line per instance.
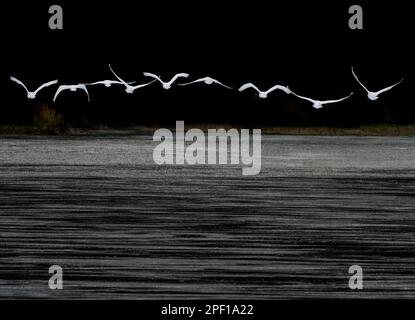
(206, 80)
(72, 88)
(166, 85)
(374, 95)
(264, 94)
(128, 87)
(317, 104)
(32, 94)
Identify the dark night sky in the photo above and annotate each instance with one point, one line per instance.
(306, 45)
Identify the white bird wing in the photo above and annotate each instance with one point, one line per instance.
(203, 80)
(218, 82)
(278, 87)
(19, 82)
(388, 88)
(60, 89)
(338, 100)
(357, 79)
(152, 75)
(143, 85)
(94, 83)
(47, 84)
(107, 81)
(195, 81)
(179, 75)
(83, 87)
(247, 86)
(304, 98)
(117, 75)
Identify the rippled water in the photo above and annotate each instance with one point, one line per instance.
(123, 227)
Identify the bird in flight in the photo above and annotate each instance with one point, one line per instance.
(128, 87)
(73, 88)
(317, 104)
(264, 94)
(166, 85)
(32, 94)
(374, 95)
(106, 83)
(206, 80)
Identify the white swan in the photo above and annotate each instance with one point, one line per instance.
(32, 94)
(317, 104)
(128, 87)
(206, 80)
(72, 88)
(264, 94)
(374, 95)
(166, 85)
(106, 83)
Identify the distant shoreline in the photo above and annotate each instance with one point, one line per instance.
(368, 130)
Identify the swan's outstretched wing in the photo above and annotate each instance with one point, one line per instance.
(220, 83)
(179, 75)
(60, 89)
(278, 87)
(105, 82)
(195, 81)
(143, 85)
(187, 83)
(388, 88)
(338, 100)
(247, 86)
(121, 80)
(198, 80)
(204, 80)
(152, 75)
(304, 98)
(47, 84)
(19, 82)
(95, 83)
(83, 87)
(357, 79)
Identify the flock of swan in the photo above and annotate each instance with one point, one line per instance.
(130, 87)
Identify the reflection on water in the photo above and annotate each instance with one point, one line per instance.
(123, 227)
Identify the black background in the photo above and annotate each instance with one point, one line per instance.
(325, 309)
(305, 45)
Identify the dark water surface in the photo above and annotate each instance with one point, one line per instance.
(123, 227)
